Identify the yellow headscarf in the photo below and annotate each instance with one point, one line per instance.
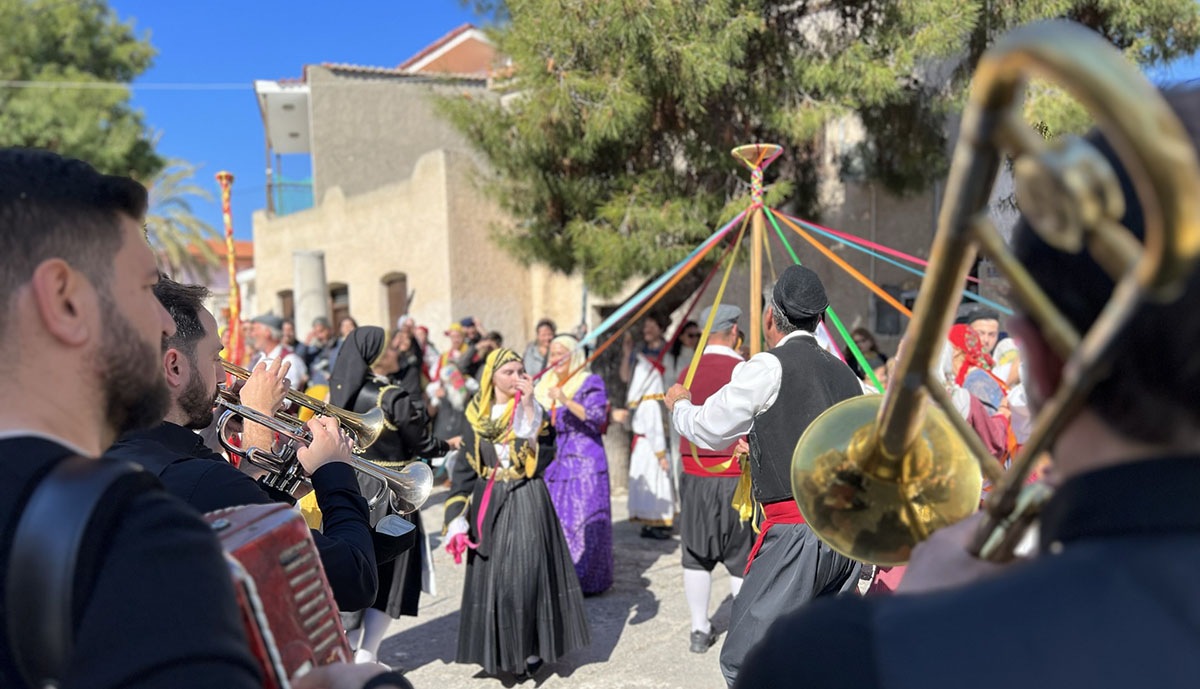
(550, 378)
(479, 409)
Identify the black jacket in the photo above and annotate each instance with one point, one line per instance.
(159, 611)
(203, 479)
(1110, 602)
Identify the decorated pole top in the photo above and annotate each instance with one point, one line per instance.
(225, 178)
(757, 157)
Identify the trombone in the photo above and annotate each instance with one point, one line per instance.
(873, 476)
(409, 487)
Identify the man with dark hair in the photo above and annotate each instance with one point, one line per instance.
(771, 399)
(1111, 591)
(80, 338)
(203, 479)
(986, 324)
(80, 332)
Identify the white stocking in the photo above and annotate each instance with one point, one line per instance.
(735, 585)
(375, 625)
(697, 584)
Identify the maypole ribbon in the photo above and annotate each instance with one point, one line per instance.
(695, 302)
(842, 237)
(674, 280)
(837, 322)
(841, 263)
(854, 239)
(644, 293)
(708, 324)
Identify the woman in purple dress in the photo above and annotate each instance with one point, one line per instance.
(578, 478)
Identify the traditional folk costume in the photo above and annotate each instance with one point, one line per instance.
(712, 530)
(578, 477)
(773, 398)
(651, 489)
(521, 599)
(405, 438)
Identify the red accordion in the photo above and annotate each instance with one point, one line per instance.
(287, 606)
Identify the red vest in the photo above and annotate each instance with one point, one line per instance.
(713, 372)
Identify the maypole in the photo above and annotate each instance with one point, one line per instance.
(756, 157)
(235, 350)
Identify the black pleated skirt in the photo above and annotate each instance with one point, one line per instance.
(524, 599)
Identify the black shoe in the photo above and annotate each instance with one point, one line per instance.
(702, 641)
(648, 532)
(662, 533)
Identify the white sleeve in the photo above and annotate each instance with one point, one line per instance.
(525, 425)
(297, 372)
(729, 413)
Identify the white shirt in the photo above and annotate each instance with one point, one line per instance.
(730, 412)
(298, 371)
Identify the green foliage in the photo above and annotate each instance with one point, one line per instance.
(176, 234)
(610, 142)
(77, 41)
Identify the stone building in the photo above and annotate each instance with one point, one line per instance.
(397, 225)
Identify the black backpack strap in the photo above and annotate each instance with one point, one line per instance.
(77, 504)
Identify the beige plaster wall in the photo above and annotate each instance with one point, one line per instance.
(396, 228)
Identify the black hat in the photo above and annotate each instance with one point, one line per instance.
(799, 294)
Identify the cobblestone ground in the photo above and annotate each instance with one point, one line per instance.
(639, 627)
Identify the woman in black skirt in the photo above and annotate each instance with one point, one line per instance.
(359, 383)
(522, 605)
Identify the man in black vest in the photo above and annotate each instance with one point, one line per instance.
(1110, 599)
(203, 479)
(773, 398)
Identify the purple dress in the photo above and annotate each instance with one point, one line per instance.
(578, 483)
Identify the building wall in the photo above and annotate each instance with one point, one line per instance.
(435, 228)
(370, 130)
(398, 227)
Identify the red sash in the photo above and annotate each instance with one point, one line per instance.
(782, 512)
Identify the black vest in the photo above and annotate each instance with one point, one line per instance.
(813, 381)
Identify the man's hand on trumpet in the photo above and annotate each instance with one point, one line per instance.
(264, 392)
(267, 387)
(329, 444)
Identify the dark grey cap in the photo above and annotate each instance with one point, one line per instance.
(727, 317)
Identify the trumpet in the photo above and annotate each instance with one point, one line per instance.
(407, 489)
(873, 476)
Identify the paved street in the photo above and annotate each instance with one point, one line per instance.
(639, 627)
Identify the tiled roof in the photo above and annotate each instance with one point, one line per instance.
(435, 45)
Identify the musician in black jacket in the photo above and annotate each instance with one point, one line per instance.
(361, 382)
(80, 337)
(206, 481)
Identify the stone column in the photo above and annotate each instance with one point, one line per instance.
(310, 294)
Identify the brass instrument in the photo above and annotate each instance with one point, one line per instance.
(408, 488)
(873, 475)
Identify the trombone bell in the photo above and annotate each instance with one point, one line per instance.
(856, 502)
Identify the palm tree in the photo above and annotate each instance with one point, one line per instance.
(177, 235)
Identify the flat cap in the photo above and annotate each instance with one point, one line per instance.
(799, 293)
(727, 317)
(270, 320)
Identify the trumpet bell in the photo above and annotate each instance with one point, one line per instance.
(858, 505)
(366, 427)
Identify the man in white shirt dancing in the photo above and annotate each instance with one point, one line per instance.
(772, 398)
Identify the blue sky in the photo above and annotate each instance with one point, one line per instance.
(236, 42)
(223, 41)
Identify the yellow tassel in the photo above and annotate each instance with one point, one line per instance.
(743, 499)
